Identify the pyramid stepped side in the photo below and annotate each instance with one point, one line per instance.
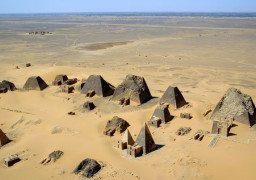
(173, 97)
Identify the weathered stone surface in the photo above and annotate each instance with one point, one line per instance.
(183, 130)
(35, 83)
(173, 97)
(116, 124)
(60, 79)
(55, 155)
(185, 115)
(7, 84)
(145, 140)
(133, 88)
(235, 105)
(52, 157)
(71, 81)
(99, 85)
(89, 167)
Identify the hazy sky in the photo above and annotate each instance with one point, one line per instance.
(41, 6)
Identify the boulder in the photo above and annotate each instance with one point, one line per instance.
(235, 105)
(89, 167)
(134, 89)
(7, 84)
(116, 124)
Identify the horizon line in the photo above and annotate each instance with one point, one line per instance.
(109, 12)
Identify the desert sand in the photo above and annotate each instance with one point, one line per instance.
(203, 56)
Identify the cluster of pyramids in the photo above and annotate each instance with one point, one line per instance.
(144, 143)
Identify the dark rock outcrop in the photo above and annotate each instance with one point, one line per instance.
(89, 167)
(7, 84)
(116, 124)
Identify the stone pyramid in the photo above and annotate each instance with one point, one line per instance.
(60, 79)
(127, 138)
(146, 140)
(134, 88)
(97, 84)
(7, 84)
(173, 97)
(235, 105)
(35, 83)
(162, 113)
(3, 138)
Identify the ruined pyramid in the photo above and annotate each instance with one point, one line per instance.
(7, 84)
(235, 105)
(97, 84)
(35, 83)
(133, 88)
(173, 97)
(146, 140)
(60, 79)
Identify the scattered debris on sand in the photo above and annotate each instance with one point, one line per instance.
(183, 130)
(71, 113)
(89, 167)
(173, 97)
(35, 83)
(185, 115)
(207, 112)
(52, 157)
(133, 89)
(97, 84)
(199, 134)
(11, 160)
(115, 124)
(235, 105)
(28, 65)
(160, 115)
(3, 138)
